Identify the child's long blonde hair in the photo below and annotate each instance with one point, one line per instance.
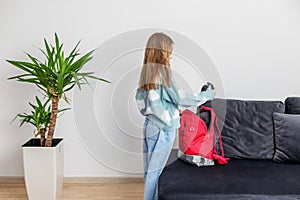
(156, 69)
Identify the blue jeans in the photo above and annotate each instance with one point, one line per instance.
(157, 146)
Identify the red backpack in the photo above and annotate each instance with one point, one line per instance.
(198, 144)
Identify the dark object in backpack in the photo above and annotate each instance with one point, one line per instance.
(204, 87)
(205, 116)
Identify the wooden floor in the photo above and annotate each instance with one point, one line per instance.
(81, 189)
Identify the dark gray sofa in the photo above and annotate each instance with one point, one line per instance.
(259, 167)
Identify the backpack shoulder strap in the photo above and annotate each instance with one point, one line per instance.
(214, 124)
(221, 158)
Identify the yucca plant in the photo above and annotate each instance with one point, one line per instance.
(39, 117)
(55, 76)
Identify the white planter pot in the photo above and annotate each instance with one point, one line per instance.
(43, 169)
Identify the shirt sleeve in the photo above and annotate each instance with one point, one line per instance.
(179, 97)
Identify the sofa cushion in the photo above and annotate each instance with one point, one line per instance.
(287, 137)
(292, 105)
(239, 179)
(247, 127)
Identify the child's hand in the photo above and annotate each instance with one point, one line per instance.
(213, 89)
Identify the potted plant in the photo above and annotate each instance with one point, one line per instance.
(34, 152)
(54, 77)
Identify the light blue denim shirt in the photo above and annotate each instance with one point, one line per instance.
(161, 105)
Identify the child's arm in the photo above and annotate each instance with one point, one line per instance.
(179, 97)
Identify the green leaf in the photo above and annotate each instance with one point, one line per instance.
(56, 41)
(39, 102)
(62, 66)
(30, 80)
(34, 60)
(51, 62)
(100, 79)
(43, 89)
(73, 54)
(48, 70)
(33, 106)
(47, 47)
(77, 65)
(76, 79)
(19, 76)
(60, 85)
(14, 119)
(69, 88)
(45, 104)
(20, 65)
(87, 82)
(43, 52)
(71, 59)
(65, 109)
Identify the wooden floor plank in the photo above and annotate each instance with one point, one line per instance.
(80, 189)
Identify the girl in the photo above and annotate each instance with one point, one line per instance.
(158, 99)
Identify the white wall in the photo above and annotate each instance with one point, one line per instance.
(255, 45)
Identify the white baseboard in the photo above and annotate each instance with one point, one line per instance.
(109, 180)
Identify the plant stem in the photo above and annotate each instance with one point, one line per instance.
(42, 133)
(53, 117)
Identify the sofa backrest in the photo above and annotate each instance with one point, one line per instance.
(292, 105)
(247, 127)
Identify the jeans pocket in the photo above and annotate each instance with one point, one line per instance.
(152, 131)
